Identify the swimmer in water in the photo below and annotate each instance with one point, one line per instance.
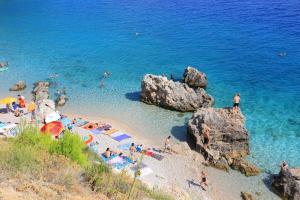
(101, 84)
(282, 54)
(3, 64)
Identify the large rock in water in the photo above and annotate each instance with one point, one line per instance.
(165, 93)
(20, 85)
(229, 139)
(287, 182)
(194, 78)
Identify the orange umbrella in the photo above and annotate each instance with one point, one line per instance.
(55, 128)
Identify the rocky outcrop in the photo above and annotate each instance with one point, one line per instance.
(229, 139)
(287, 183)
(45, 105)
(3, 64)
(61, 100)
(41, 90)
(20, 85)
(172, 95)
(194, 78)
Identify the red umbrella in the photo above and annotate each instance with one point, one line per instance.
(55, 128)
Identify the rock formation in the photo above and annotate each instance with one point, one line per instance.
(20, 85)
(194, 78)
(45, 105)
(287, 183)
(41, 90)
(229, 140)
(165, 93)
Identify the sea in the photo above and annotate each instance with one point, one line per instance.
(246, 46)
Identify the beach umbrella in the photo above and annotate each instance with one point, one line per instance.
(54, 116)
(7, 100)
(55, 128)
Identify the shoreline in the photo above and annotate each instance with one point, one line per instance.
(186, 167)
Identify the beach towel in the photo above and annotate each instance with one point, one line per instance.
(144, 169)
(125, 146)
(116, 134)
(116, 159)
(111, 131)
(80, 122)
(121, 137)
(98, 131)
(66, 121)
(90, 126)
(157, 156)
(107, 159)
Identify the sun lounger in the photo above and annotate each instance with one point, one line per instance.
(121, 137)
(111, 131)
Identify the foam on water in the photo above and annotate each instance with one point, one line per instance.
(236, 43)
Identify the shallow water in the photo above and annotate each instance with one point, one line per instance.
(236, 43)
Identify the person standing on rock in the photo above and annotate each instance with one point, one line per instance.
(206, 136)
(236, 102)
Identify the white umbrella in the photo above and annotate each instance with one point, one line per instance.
(54, 116)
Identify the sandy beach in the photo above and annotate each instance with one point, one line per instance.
(177, 174)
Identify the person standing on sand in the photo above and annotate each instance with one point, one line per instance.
(206, 137)
(168, 144)
(203, 182)
(236, 102)
(132, 151)
(31, 109)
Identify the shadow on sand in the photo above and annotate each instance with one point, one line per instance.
(133, 96)
(181, 134)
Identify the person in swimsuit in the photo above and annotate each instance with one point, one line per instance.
(168, 144)
(284, 166)
(236, 102)
(107, 153)
(206, 137)
(203, 182)
(132, 151)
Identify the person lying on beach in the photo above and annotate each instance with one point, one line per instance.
(236, 102)
(107, 153)
(16, 109)
(21, 101)
(203, 182)
(168, 145)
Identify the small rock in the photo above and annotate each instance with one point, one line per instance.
(20, 85)
(245, 167)
(194, 78)
(61, 100)
(247, 196)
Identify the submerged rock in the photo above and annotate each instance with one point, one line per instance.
(247, 196)
(229, 139)
(166, 93)
(20, 85)
(61, 100)
(194, 78)
(3, 64)
(287, 183)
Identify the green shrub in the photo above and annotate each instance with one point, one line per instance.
(71, 146)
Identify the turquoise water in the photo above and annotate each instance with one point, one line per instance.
(236, 43)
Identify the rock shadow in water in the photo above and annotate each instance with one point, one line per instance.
(133, 96)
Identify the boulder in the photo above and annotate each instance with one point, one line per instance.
(20, 85)
(287, 183)
(41, 90)
(229, 139)
(194, 78)
(61, 100)
(247, 196)
(157, 90)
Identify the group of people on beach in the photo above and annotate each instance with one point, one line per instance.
(18, 107)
